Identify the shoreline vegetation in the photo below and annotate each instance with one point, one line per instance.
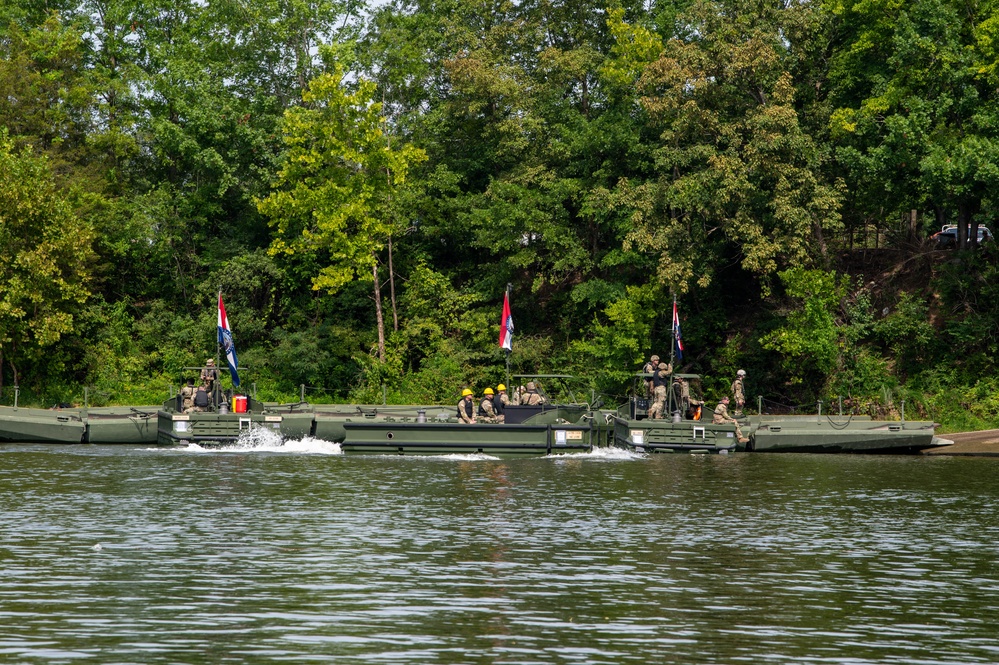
(362, 182)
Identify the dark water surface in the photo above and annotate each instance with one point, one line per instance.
(135, 554)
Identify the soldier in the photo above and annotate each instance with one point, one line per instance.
(187, 393)
(721, 417)
(500, 402)
(466, 410)
(532, 397)
(201, 398)
(504, 399)
(650, 368)
(689, 406)
(738, 392)
(210, 376)
(658, 407)
(487, 408)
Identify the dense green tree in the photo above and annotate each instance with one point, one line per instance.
(734, 166)
(46, 269)
(333, 193)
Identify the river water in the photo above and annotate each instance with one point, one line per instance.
(265, 553)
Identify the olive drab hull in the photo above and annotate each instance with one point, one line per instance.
(770, 433)
(838, 434)
(98, 425)
(666, 436)
(435, 430)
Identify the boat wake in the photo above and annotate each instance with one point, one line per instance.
(454, 457)
(259, 440)
(607, 453)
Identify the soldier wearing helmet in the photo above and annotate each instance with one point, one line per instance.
(466, 409)
(660, 381)
(650, 368)
(210, 376)
(501, 401)
(487, 408)
(739, 392)
(722, 417)
(532, 397)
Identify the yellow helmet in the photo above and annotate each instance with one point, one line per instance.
(466, 392)
(501, 387)
(487, 391)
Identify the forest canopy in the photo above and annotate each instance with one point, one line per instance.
(362, 182)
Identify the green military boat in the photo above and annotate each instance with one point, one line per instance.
(690, 429)
(838, 434)
(217, 424)
(112, 424)
(529, 431)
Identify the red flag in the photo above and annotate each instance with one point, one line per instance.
(506, 325)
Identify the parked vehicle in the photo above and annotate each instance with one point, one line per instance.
(947, 236)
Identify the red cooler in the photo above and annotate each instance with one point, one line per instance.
(239, 403)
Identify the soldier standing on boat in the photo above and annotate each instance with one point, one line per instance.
(210, 376)
(658, 408)
(739, 392)
(466, 409)
(722, 417)
(690, 407)
(650, 368)
(187, 394)
(487, 408)
(532, 397)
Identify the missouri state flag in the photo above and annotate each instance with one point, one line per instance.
(225, 341)
(677, 337)
(506, 325)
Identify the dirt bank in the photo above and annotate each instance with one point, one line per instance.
(978, 444)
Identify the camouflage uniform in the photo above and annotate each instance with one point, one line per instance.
(487, 412)
(650, 368)
(187, 393)
(658, 407)
(532, 397)
(738, 392)
(210, 377)
(687, 404)
(466, 411)
(722, 417)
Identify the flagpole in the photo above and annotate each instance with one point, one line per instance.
(217, 397)
(218, 342)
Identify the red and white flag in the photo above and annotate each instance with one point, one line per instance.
(225, 341)
(506, 325)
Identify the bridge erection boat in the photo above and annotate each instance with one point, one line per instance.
(111, 424)
(689, 428)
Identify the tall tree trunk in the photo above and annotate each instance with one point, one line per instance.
(395, 312)
(378, 311)
(962, 226)
(821, 241)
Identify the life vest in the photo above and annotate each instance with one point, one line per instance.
(482, 407)
(201, 398)
(465, 404)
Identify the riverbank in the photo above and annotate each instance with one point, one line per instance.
(971, 444)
